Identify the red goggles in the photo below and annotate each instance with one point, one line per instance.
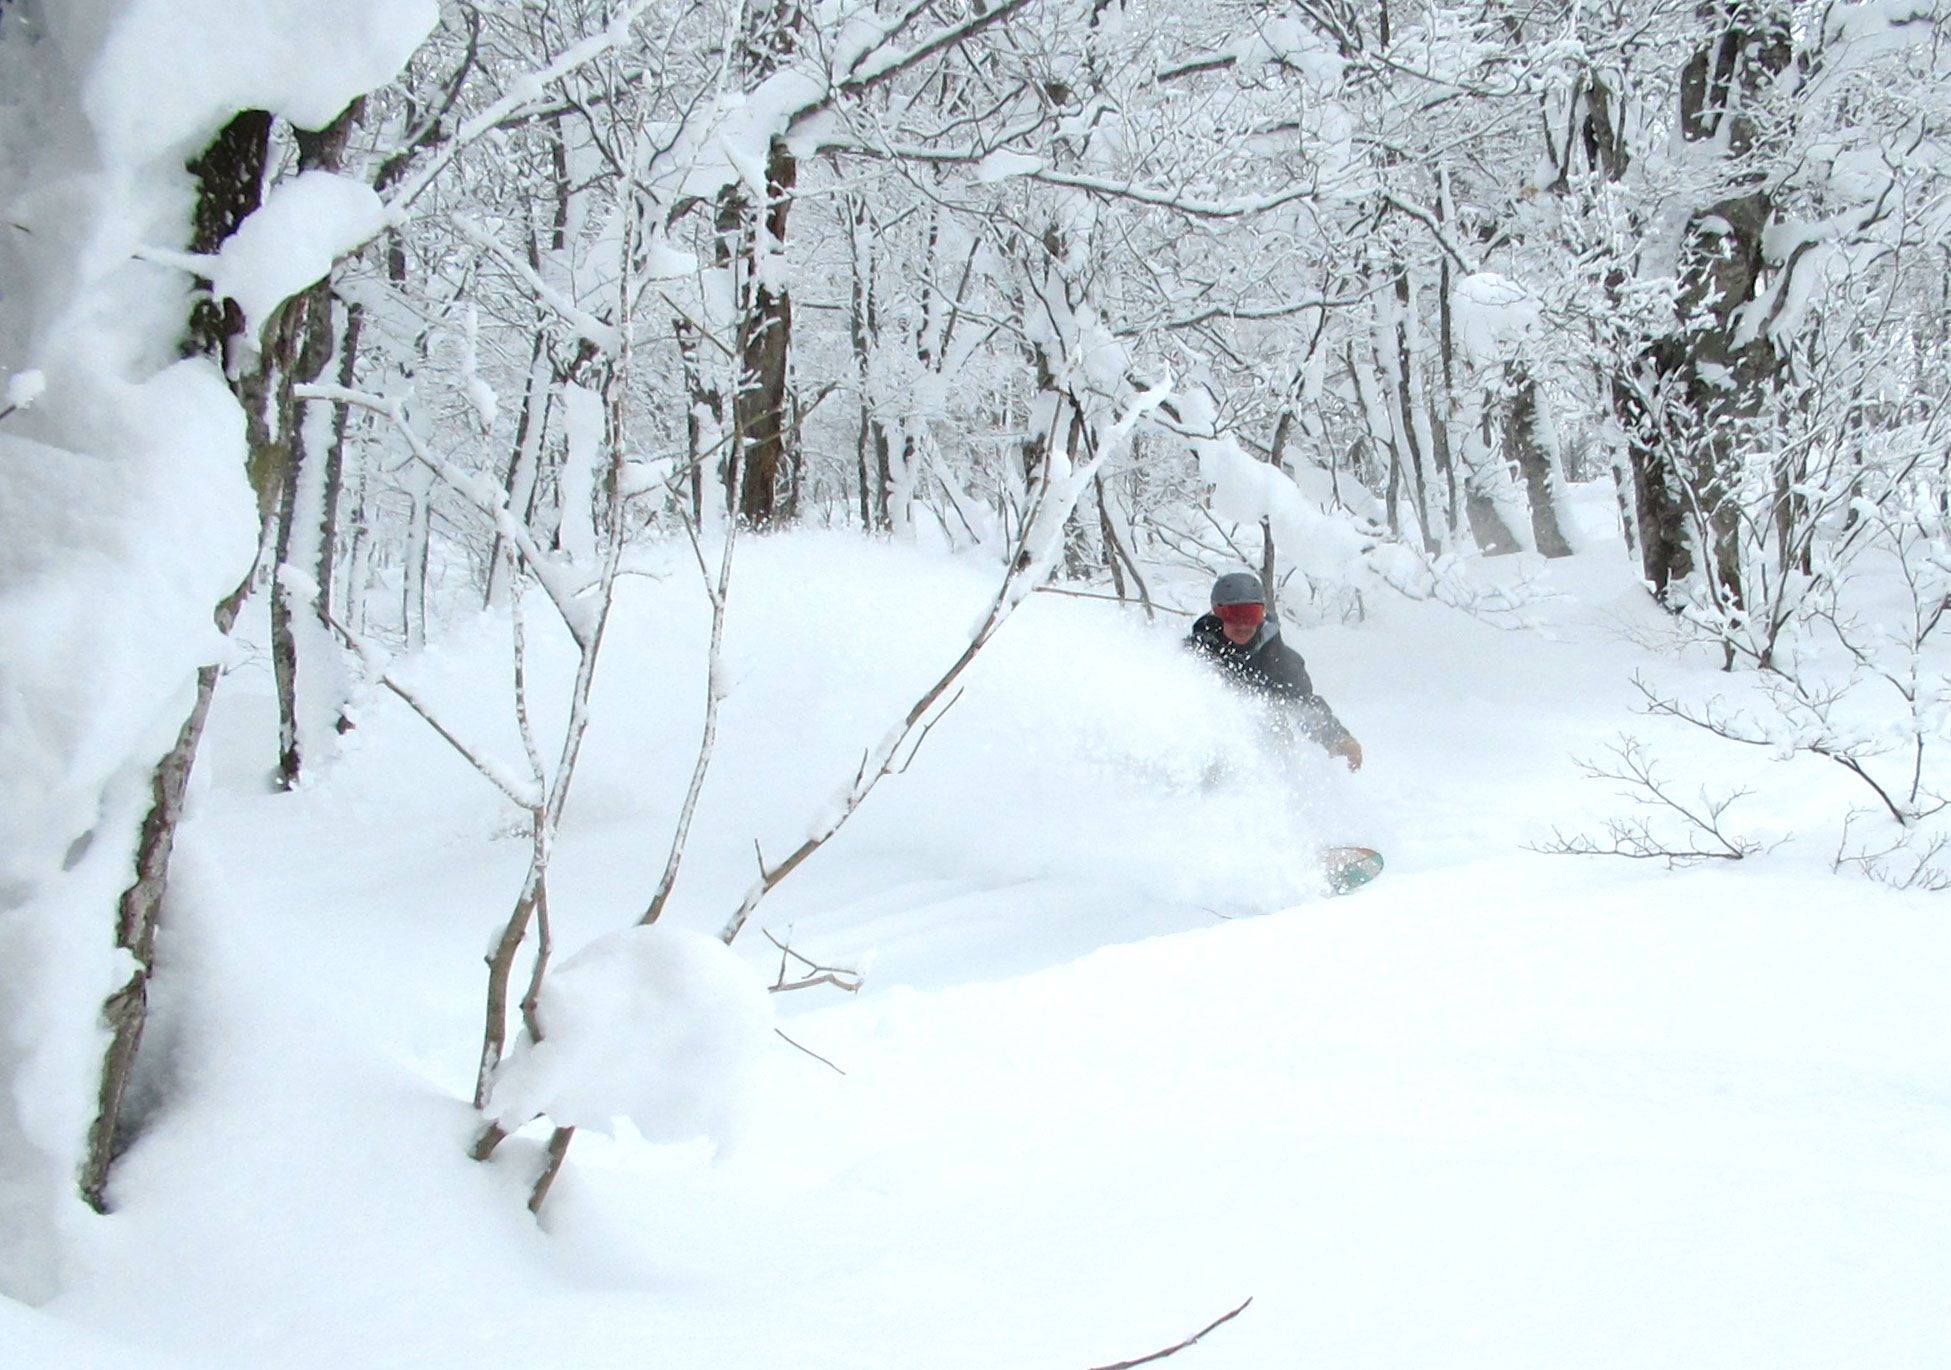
(1241, 615)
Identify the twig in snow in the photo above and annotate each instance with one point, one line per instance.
(1926, 870)
(1174, 1350)
(1701, 839)
(816, 974)
(810, 1052)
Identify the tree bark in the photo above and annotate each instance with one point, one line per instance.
(138, 917)
(302, 350)
(335, 468)
(1535, 464)
(1704, 383)
(873, 449)
(763, 443)
(1405, 404)
(765, 341)
(230, 177)
(230, 184)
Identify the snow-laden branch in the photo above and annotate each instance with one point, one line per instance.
(1246, 207)
(1437, 229)
(881, 62)
(525, 794)
(604, 336)
(526, 91)
(1255, 313)
(995, 163)
(565, 591)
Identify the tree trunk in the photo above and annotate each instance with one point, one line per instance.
(335, 468)
(704, 419)
(138, 917)
(1659, 523)
(523, 463)
(765, 446)
(230, 180)
(1522, 441)
(765, 341)
(1404, 401)
(1687, 451)
(413, 566)
(873, 450)
(302, 352)
(230, 184)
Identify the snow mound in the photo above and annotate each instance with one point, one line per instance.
(304, 59)
(305, 224)
(653, 1024)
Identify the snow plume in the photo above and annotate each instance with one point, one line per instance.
(125, 515)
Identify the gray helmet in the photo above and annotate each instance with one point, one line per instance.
(1238, 587)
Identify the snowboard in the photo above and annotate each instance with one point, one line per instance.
(1349, 868)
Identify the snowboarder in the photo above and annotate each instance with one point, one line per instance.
(1242, 642)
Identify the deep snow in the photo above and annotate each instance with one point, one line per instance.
(1116, 1066)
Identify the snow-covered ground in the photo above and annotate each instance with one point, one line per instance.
(1116, 1068)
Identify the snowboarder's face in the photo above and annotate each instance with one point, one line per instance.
(1240, 621)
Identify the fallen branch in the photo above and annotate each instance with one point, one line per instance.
(815, 974)
(1174, 1350)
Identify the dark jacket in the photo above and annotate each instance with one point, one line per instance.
(1269, 668)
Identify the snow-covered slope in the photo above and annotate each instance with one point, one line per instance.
(1116, 1066)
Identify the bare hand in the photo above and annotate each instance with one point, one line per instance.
(1350, 751)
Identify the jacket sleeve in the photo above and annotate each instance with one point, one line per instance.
(1317, 722)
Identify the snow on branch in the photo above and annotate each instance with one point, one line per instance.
(1442, 580)
(604, 336)
(524, 792)
(526, 91)
(565, 591)
(284, 246)
(718, 592)
(1437, 229)
(881, 63)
